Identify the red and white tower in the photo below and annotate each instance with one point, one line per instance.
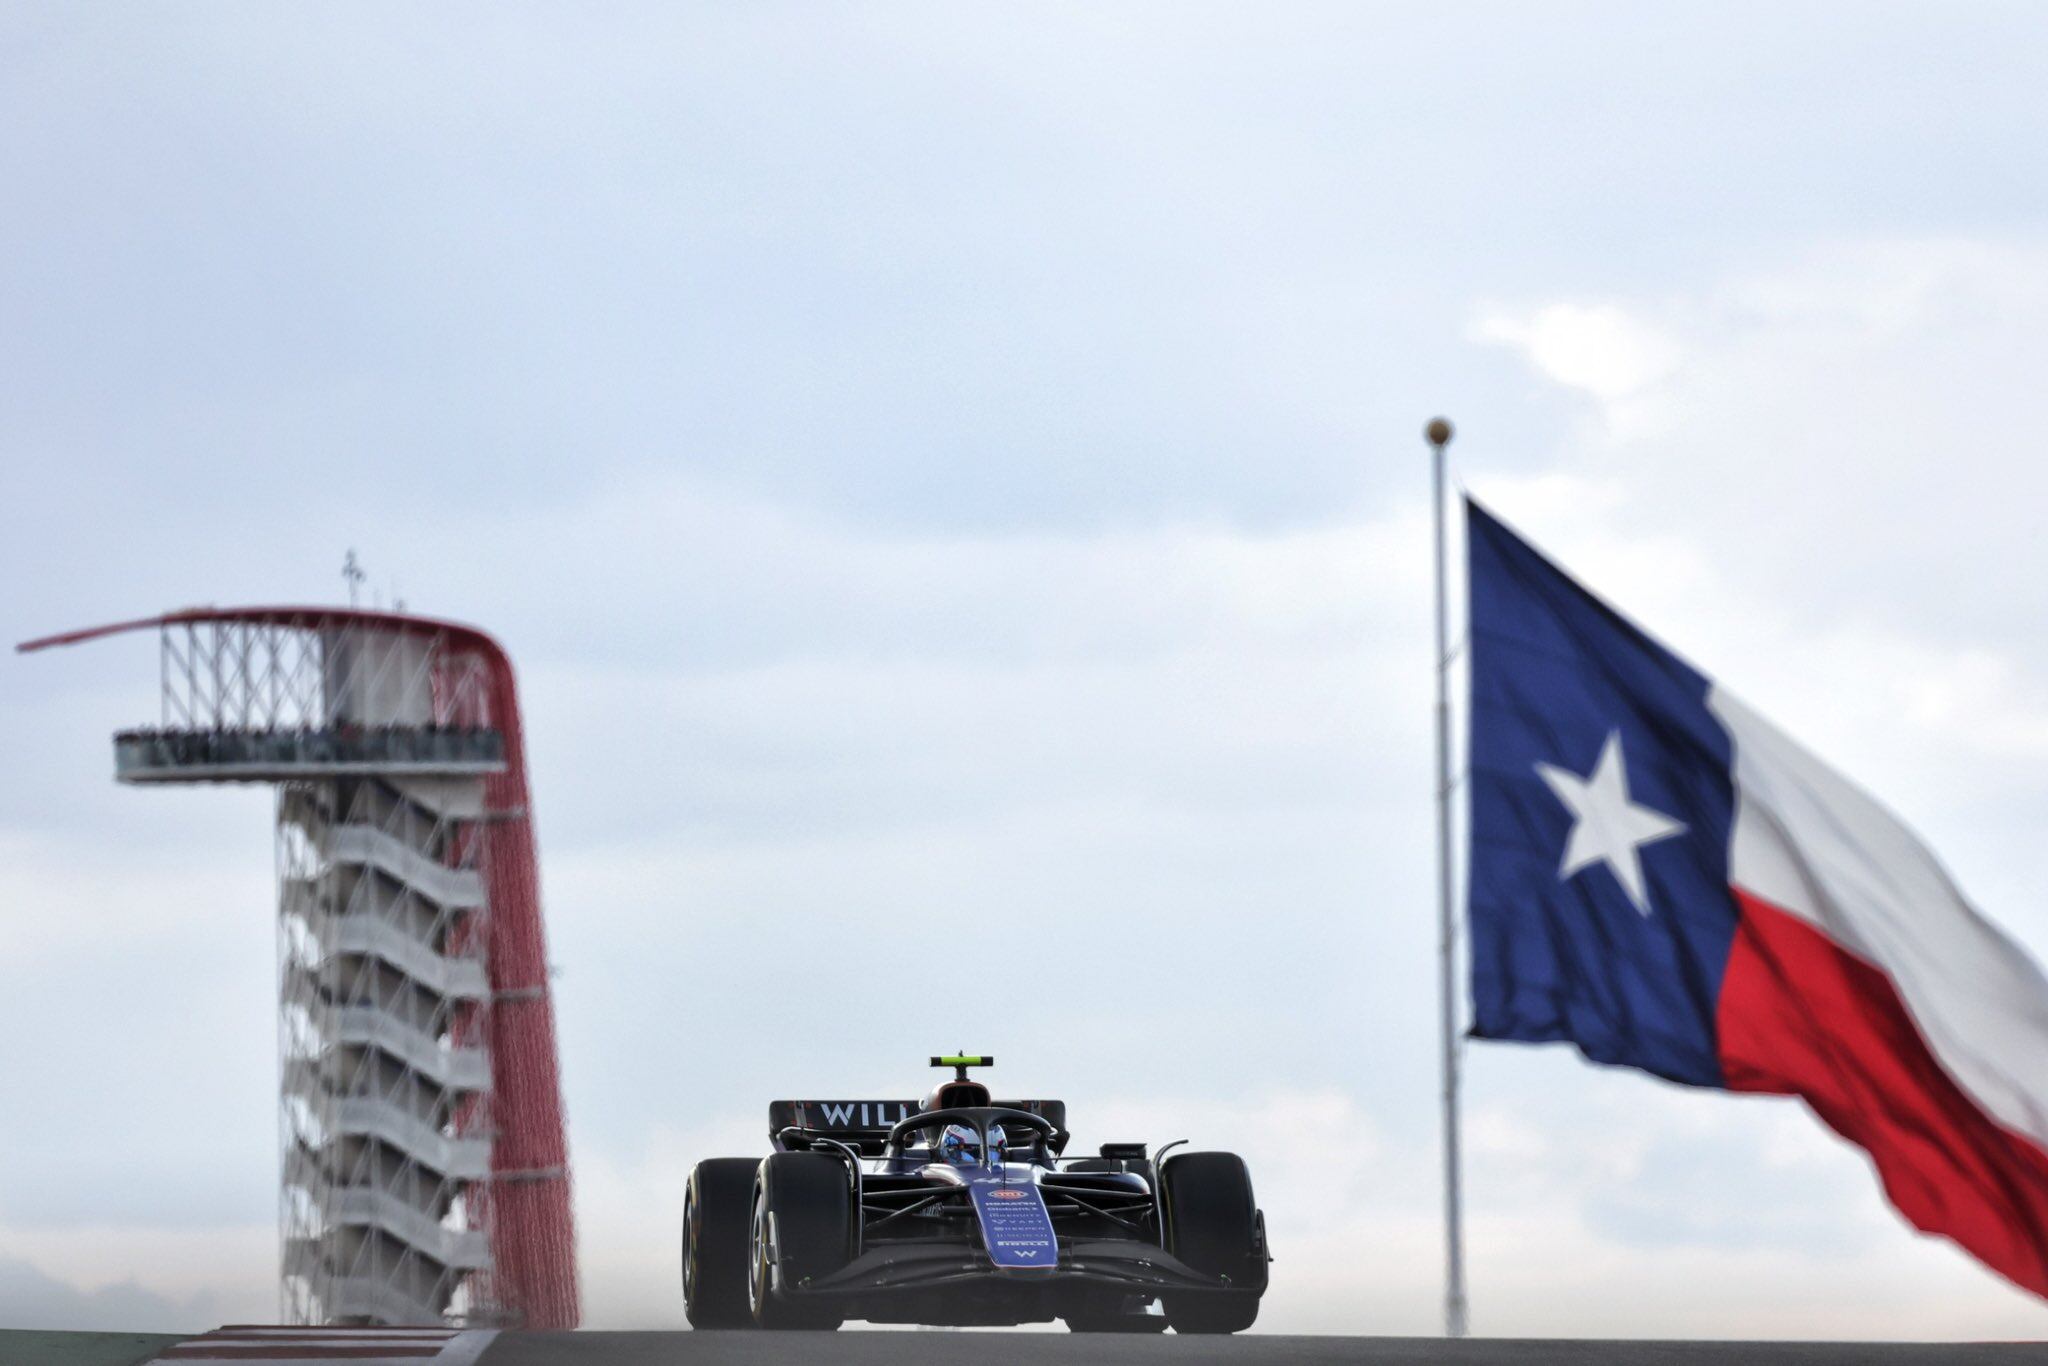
(423, 1165)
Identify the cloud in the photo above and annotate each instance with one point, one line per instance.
(1600, 349)
(66, 896)
(30, 1299)
(1856, 421)
(163, 1299)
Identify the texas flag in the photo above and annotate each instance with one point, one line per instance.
(1664, 879)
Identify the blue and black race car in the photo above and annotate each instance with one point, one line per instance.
(966, 1211)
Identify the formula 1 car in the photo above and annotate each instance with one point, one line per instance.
(964, 1211)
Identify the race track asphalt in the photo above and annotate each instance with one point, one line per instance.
(1252, 1349)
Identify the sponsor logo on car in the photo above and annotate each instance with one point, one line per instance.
(1005, 1194)
(845, 1114)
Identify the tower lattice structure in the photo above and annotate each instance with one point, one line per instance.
(424, 1171)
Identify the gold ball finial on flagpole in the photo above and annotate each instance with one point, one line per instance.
(1439, 431)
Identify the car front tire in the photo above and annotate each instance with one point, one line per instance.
(716, 1209)
(806, 1202)
(1212, 1225)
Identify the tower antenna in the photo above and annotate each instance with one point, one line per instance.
(352, 570)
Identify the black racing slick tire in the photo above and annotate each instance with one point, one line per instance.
(802, 1220)
(716, 1208)
(1213, 1225)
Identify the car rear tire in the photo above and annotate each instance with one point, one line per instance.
(803, 1205)
(1212, 1225)
(716, 1208)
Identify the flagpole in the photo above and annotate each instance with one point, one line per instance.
(1439, 434)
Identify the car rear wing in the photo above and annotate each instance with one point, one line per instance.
(865, 1124)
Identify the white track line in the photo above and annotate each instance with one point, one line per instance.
(263, 1345)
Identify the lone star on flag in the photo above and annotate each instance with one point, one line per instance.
(1606, 826)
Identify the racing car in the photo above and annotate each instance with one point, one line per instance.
(965, 1211)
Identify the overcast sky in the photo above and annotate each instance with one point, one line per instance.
(950, 478)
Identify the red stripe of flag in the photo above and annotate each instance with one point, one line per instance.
(1801, 1016)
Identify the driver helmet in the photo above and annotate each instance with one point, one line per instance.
(961, 1146)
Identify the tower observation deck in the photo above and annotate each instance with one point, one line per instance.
(423, 1165)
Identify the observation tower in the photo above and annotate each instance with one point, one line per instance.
(423, 1165)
